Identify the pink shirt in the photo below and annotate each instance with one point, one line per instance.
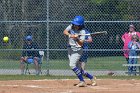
(126, 37)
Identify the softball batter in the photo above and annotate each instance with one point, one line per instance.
(75, 47)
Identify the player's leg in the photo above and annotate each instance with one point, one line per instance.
(22, 64)
(83, 61)
(74, 58)
(126, 55)
(36, 60)
(83, 64)
(130, 67)
(76, 70)
(39, 65)
(78, 65)
(127, 59)
(134, 67)
(92, 78)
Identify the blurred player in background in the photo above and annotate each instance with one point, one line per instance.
(30, 54)
(133, 45)
(75, 47)
(126, 38)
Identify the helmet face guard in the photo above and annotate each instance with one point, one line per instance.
(78, 20)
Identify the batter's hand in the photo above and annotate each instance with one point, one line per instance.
(74, 36)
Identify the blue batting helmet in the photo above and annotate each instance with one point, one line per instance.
(78, 20)
(29, 38)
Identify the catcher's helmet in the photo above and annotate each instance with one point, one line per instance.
(29, 38)
(78, 20)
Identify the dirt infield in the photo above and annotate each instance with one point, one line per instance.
(67, 86)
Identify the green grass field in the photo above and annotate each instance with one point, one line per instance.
(96, 63)
(34, 77)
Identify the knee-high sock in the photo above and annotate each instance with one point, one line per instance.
(86, 74)
(78, 73)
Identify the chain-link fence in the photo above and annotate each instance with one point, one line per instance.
(45, 20)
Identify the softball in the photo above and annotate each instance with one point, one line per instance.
(5, 39)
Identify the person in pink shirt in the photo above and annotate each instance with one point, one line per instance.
(126, 38)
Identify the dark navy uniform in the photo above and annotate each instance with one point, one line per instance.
(32, 52)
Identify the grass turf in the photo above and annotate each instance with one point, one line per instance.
(34, 77)
(94, 63)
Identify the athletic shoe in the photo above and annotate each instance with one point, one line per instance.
(93, 81)
(81, 84)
